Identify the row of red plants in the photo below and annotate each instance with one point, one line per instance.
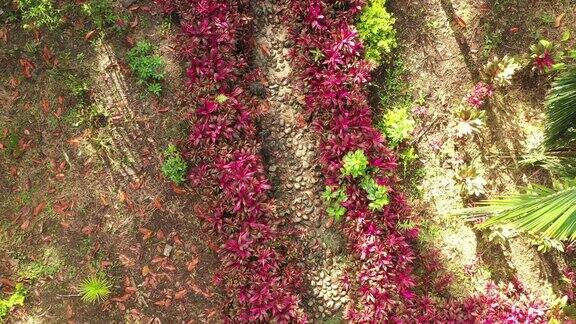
(385, 287)
(215, 43)
(224, 152)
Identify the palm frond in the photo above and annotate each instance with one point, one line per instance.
(560, 162)
(539, 210)
(561, 113)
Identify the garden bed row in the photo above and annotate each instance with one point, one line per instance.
(225, 155)
(382, 240)
(359, 172)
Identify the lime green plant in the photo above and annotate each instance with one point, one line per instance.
(95, 289)
(148, 67)
(335, 198)
(16, 299)
(377, 194)
(397, 125)
(354, 164)
(376, 29)
(174, 167)
(39, 13)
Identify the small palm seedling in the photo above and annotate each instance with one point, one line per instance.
(95, 289)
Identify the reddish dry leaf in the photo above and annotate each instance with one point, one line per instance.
(181, 294)
(89, 35)
(134, 7)
(122, 298)
(178, 190)
(161, 303)
(134, 22)
(27, 67)
(14, 83)
(7, 282)
(45, 106)
(105, 263)
(191, 266)
(514, 29)
(145, 271)
(1, 146)
(65, 225)
(88, 229)
(39, 209)
(126, 261)
(461, 23)
(69, 311)
(160, 235)
(146, 233)
(25, 225)
(157, 203)
(48, 56)
(4, 34)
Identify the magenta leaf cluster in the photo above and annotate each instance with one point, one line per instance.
(480, 94)
(384, 286)
(226, 164)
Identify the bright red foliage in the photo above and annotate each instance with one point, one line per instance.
(226, 162)
(384, 287)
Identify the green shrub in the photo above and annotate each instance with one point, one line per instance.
(335, 198)
(95, 289)
(39, 13)
(16, 299)
(376, 29)
(148, 68)
(377, 194)
(101, 12)
(174, 167)
(354, 164)
(397, 125)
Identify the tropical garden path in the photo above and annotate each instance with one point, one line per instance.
(289, 149)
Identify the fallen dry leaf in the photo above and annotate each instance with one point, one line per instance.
(146, 233)
(191, 266)
(558, 21)
(145, 271)
(27, 67)
(461, 23)
(89, 35)
(181, 294)
(39, 208)
(134, 22)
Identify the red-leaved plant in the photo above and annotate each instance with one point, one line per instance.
(224, 154)
(384, 287)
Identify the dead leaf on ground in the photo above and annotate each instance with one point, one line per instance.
(146, 233)
(89, 35)
(39, 208)
(558, 21)
(181, 294)
(145, 271)
(461, 23)
(191, 266)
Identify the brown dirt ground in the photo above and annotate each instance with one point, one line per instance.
(444, 45)
(95, 195)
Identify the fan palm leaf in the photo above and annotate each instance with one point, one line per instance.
(539, 210)
(561, 113)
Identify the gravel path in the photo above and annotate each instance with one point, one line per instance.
(289, 148)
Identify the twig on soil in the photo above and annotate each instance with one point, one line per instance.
(75, 295)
